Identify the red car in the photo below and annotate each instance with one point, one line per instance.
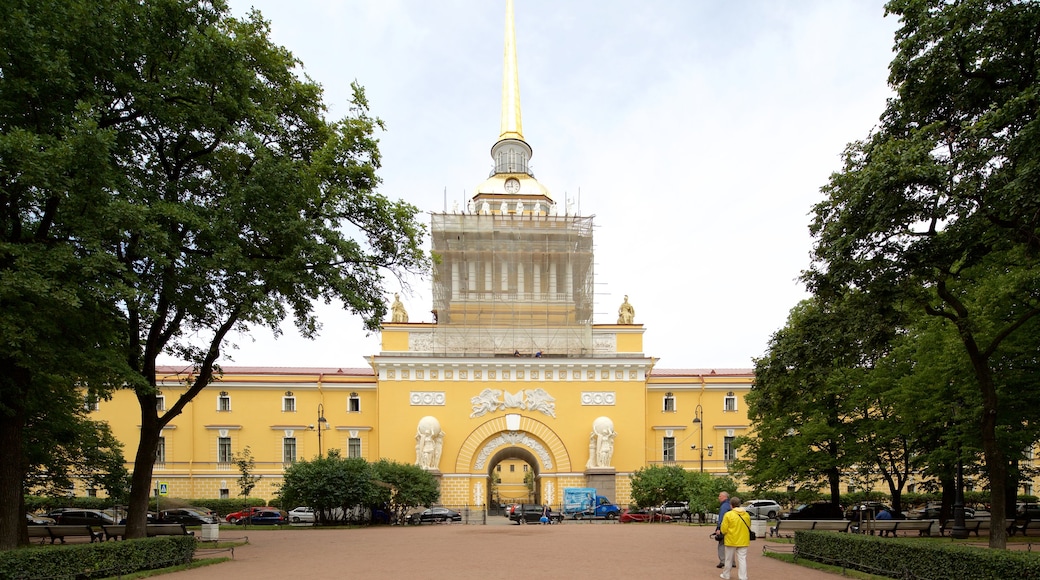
(644, 516)
(241, 515)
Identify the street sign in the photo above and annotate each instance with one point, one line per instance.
(163, 489)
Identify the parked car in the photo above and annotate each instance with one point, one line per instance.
(532, 513)
(436, 514)
(85, 516)
(302, 514)
(762, 508)
(1028, 510)
(188, 517)
(233, 518)
(933, 511)
(815, 511)
(35, 520)
(676, 509)
(871, 508)
(263, 516)
(644, 515)
(152, 518)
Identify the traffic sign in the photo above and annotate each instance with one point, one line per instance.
(163, 488)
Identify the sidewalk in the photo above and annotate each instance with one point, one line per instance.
(501, 550)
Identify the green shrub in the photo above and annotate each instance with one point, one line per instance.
(98, 560)
(909, 558)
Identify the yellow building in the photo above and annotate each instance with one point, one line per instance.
(512, 378)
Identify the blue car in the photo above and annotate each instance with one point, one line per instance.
(263, 517)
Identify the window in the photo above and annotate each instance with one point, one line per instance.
(731, 402)
(499, 468)
(288, 450)
(525, 468)
(669, 449)
(224, 450)
(160, 403)
(91, 492)
(160, 452)
(225, 494)
(354, 447)
(669, 403)
(354, 403)
(90, 402)
(728, 452)
(289, 404)
(512, 468)
(1028, 489)
(224, 401)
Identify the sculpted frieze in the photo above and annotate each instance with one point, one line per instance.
(491, 400)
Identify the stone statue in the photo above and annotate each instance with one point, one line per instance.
(485, 208)
(520, 208)
(626, 314)
(601, 443)
(397, 311)
(471, 207)
(429, 442)
(486, 402)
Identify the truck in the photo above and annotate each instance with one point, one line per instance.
(584, 502)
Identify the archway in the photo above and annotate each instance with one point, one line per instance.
(504, 455)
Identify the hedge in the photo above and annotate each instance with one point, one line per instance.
(911, 558)
(96, 560)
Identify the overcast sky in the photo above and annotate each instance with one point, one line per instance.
(698, 133)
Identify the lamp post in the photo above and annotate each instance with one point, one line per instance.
(700, 427)
(321, 421)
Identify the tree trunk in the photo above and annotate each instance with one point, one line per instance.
(141, 480)
(13, 532)
(996, 461)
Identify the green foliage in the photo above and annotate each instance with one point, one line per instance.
(909, 558)
(654, 485)
(98, 560)
(336, 487)
(937, 211)
(246, 466)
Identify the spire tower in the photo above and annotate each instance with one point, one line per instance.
(512, 126)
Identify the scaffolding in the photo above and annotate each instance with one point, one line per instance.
(512, 283)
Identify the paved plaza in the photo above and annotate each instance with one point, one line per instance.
(501, 550)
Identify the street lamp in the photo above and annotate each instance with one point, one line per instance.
(700, 427)
(321, 421)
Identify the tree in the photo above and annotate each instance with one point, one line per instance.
(941, 199)
(234, 201)
(404, 487)
(655, 484)
(58, 332)
(246, 466)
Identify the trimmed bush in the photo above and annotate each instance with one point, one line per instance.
(98, 560)
(908, 558)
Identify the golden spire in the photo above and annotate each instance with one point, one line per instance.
(512, 128)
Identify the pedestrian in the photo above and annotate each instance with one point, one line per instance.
(545, 515)
(723, 508)
(736, 529)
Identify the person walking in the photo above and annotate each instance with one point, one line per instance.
(736, 529)
(723, 508)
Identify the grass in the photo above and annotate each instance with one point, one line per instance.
(789, 558)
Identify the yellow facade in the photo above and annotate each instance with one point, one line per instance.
(513, 373)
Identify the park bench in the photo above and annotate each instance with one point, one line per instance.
(1023, 525)
(823, 525)
(885, 527)
(973, 526)
(119, 531)
(39, 532)
(60, 532)
(168, 530)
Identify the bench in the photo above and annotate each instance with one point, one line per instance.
(974, 525)
(822, 525)
(60, 532)
(1023, 525)
(885, 527)
(39, 532)
(168, 530)
(119, 532)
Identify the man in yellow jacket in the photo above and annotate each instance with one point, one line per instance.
(736, 531)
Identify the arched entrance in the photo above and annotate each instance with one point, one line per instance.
(509, 495)
(514, 438)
